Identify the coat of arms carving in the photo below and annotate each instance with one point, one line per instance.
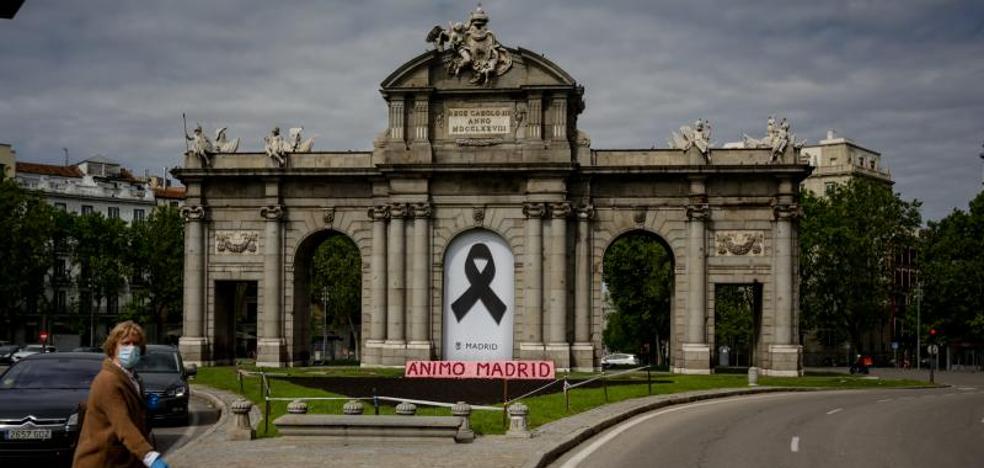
(739, 243)
(475, 48)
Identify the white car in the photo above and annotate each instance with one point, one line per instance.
(619, 359)
(29, 350)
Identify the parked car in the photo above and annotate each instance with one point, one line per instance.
(32, 349)
(7, 353)
(165, 382)
(40, 399)
(88, 349)
(619, 359)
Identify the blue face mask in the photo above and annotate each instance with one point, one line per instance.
(128, 355)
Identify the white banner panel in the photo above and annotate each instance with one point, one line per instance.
(479, 298)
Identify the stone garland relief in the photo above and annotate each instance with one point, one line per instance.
(739, 243)
(237, 242)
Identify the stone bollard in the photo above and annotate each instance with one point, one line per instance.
(297, 407)
(241, 430)
(753, 376)
(405, 408)
(463, 410)
(353, 408)
(517, 421)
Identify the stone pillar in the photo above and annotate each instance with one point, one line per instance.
(270, 347)
(784, 353)
(396, 290)
(534, 117)
(419, 346)
(559, 108)
(558, 348)
(420, 118)
(396, 118)
(696, 351)
(583, 350)
(531, 342)
(193, 344)
(377, 285)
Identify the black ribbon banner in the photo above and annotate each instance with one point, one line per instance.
(479, 286)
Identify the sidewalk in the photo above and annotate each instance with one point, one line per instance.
(548, 443)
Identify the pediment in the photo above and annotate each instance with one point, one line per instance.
(430, 70)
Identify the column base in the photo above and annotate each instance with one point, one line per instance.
(786, 361)
(194, 350)
(372, 353)
(531, 351)
(696, 359)
(418, 351)
(560, 354)
(394, 353)
(583, 354)
(271, 352)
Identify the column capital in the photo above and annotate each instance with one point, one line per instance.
(399, 211)
(421, 210)
(585, 212)
(698, 211)
(191, 213)
(379, 212)
(272, 212)
(561, 210)
(786, 211)
(534, 210)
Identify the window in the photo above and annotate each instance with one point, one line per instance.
(61, 301)
(86, 209)
(138, 214)
(61, 207)
(61, 269)
(114, 212)
(828, 187)
(112, 304)
(174, 204)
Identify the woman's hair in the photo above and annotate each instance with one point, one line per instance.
(121, 331)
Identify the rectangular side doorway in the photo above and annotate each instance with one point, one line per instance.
(235, 321)
(737, 325)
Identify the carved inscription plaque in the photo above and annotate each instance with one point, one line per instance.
(479, 121)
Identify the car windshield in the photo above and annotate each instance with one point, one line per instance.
(51, 373)
(159, 361)
(7, 349)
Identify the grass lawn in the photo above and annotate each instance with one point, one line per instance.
(543, 409)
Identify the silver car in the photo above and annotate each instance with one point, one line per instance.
(31, 349)
(619, 359)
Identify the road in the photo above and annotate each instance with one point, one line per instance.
(202, 415)
(879, 428)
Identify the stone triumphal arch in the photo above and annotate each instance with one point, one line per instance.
(482, 142)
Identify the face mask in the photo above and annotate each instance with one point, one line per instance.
(128, 355)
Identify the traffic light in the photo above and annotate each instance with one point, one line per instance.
(932, 332)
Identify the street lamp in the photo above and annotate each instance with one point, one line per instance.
(324, 325)
(917, 292)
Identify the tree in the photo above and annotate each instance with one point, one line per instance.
(337, 268)
(156, 260)
(25, 250)
(98, 246)
(639, 276)
(847, 239)
(952, 273)
(734, 323)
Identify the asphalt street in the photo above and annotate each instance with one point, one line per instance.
(202, 415)
(881, 428)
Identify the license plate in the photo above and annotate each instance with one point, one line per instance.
(29, 434)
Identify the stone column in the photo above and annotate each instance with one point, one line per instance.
(377, 284)
(420, 118)
(531, 342)
(557, 347)
(559, 107)
(696, 351)
(193, 344)
(396, 118)
(784, 353)
(583, 350)
(396, 290)
(420, 345)
(270, 345)
(534, 118)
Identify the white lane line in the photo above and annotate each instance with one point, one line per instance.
(967, 389)
(606, 438)
(835, 411)
(982, 420)
(794, 444)
(885, 400)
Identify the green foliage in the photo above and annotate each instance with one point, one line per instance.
(26, 250)
(734, 317)
(98, 246)
(337, 268)
(639, 275)
(156, 260)
(847, 239)
(952, 272)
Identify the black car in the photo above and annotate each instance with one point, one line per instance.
(40, 397)
(165, 382)
(7, 353)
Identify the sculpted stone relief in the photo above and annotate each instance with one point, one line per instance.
(203, 148)
(475, 47)
(698, 136)
(236, 242)
(739, 243)
(777, 138)
(277, 148)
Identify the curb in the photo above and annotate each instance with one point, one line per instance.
(548, 455)
(201, 391)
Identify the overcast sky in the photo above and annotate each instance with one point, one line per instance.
(904, 78)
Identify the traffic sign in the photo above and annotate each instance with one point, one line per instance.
(933, 349)
(43, 335)
(895, 345)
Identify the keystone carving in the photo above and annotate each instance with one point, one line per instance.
(329, 216)
(738, 243)
(639, 216)
(478, 215)
(237, 242)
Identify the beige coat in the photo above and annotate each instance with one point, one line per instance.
(115, 432)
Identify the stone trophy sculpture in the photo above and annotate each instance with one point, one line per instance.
(475, 48)
(277, 148)
(698, 136)
(203, 148)
(777, 138)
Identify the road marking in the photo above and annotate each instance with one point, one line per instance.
(618, 430)
(967, 389)
(885, 400)
(794, 444)
(835, 411)
(982, 420)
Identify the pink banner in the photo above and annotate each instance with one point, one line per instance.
(512, 370)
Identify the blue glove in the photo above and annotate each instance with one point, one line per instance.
(159, 463)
